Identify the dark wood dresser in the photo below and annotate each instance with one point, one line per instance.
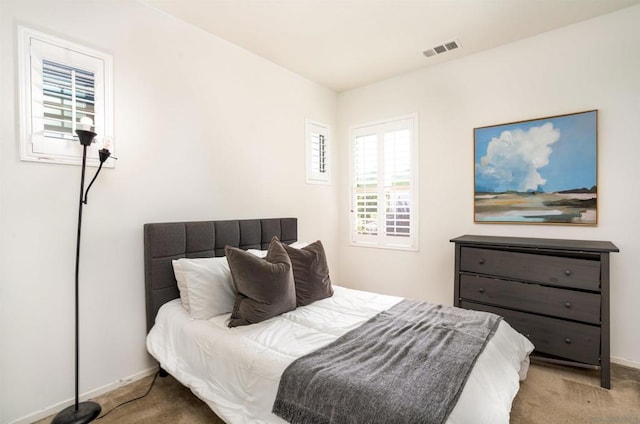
(555, 292)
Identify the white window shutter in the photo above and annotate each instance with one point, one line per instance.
(68, 96)
(384, 184)
(366, 186)
(398, 184)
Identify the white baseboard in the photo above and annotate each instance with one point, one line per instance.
(625, 362)
(91, 394)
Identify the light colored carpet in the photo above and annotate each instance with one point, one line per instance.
(168, 402)
(552, 394)
(557, 394)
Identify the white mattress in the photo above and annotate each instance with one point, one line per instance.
(236, 371)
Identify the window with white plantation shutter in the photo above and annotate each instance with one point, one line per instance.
(317, 152)
(383, 184)
(60, 83)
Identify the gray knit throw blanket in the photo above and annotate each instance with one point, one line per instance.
(407, 364)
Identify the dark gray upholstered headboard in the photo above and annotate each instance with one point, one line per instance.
(164, 242)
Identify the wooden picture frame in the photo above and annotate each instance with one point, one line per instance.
(538, 171)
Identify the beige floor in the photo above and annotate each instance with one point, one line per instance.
(565, 395)
(550, 395)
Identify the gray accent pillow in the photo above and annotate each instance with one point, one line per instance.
(265, 287)
(310, 272)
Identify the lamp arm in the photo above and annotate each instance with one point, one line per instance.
(104, 155)
(86, 193)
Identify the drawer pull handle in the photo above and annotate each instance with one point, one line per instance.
(567, 304)
(481, 290)
(567, 340)
(567, 272)
(481, 261)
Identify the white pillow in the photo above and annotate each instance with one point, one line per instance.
(263, 253)
(300, 244)
(206, 287)
(258, 253)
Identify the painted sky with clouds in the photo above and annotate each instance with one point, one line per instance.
(555, 154)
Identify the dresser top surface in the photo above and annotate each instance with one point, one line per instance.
(537, 243)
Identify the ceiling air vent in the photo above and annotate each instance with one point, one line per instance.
(442, 48)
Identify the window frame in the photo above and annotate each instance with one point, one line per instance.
(313, 176)
(38, 148)
(381, 239)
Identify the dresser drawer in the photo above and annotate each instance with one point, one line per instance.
(565, 339)
(570, 304)
(553, 270)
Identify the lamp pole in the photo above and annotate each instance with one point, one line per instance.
(81, 412)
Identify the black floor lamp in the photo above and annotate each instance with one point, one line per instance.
(82, 412)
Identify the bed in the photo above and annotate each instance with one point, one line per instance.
(237, 371)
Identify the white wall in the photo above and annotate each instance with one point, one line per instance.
(226, 141)
(591, 65)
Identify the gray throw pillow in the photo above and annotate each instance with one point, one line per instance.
(265, 287)
(310, 272)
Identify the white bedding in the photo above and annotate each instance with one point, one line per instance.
(236, 371)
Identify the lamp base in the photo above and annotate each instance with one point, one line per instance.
(86, 412)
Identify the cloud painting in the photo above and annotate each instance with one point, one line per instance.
(538, 171)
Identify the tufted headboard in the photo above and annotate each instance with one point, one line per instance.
(164, 242)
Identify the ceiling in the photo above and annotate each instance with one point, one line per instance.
(343, 44)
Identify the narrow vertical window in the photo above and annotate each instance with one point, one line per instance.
(60, 83)
(317, 152)
(384, 184)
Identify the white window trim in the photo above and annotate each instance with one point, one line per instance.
(379, 241)
(105, 130)
(312, 176)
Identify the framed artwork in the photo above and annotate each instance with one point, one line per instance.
(540, 171)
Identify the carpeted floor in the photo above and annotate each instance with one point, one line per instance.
(557, 394)
(552, 394)
(168, 402)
